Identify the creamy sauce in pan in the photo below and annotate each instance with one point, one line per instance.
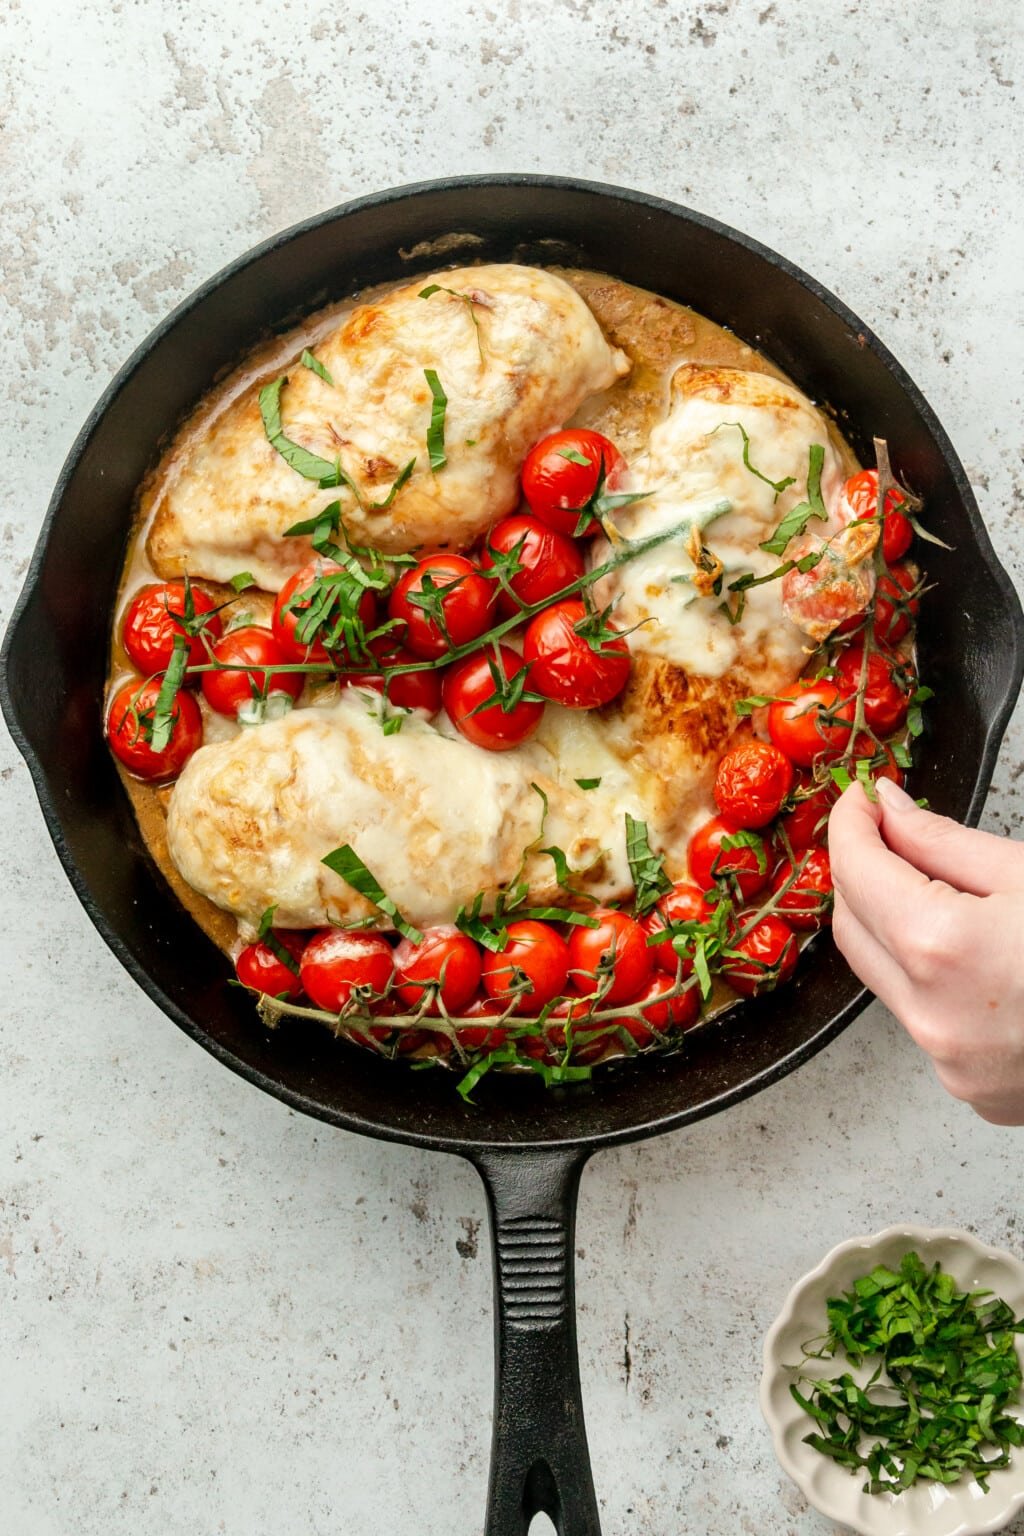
(656, 333)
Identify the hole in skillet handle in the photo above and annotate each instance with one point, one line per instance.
(540, 1463)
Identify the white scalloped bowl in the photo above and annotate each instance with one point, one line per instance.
(927, 1509)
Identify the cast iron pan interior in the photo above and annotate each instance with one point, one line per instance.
(55, 650)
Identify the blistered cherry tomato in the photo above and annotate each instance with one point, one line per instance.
(465, 597)
(887, 690)
(808, 718)
(807, 905)
(481, 1037)
(664, 1013)
(861, 493)
(407, 690)
(129, 717)
(616, 948)
(151, 625)
(445, 966)
(471, 682)
(259, 967)
(548, 561)
(568, 667)
(883, 759)
(257, 652)
(894, 608)
(558, 486)
(532, 967)
(709, 861)
(752, 782)
(588, 1041)
(293, 602)
(334, 963)
(806, 824)
(772, 951)
(683, 904)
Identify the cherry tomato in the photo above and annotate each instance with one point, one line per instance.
(470, 682)
(334, 963)
(807, 905)
(861, 493)
(445, 965)
(290, 610)
(131, 709)
(261, 969)
(683, 904)
(808, 718)
(886, 693)
(428, 1042)
(888, 768)
(151, 625)
(237, 688)
(806, 824)
(548, 561)
(589, 1041)
(481, 1037)
(558, 487)
(616, 948)
(752, 782)
(532, 967)
(565, 667)
(709, 862)
(894, 607)
(466, 599)
(677, 1012)
(409, 690)
(772, 950)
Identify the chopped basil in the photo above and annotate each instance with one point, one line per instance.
(745, 707)
(588, 783)
(242, 581)
(796, 520)
(265, 933)
(646, 867)
(574, 457)
(344, 861)
(162, 723)
(435, 432)
(934, 1408)
(778, 486)
(309, 465)
(315, 366)
(402, 477)
(744, 838)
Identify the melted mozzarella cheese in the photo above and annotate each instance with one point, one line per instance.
(695, 467)
(516, 350)
(434, 818)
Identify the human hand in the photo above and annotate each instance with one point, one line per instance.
(930, 915)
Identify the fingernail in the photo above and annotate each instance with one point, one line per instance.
(893, 797)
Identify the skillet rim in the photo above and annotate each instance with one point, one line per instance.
(995, 725)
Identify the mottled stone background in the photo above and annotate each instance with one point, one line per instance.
(218, 1316)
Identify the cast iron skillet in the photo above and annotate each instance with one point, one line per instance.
(529, 1145)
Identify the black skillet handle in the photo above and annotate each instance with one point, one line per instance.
(539, 1457)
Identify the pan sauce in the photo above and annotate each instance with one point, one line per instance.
(658, 335)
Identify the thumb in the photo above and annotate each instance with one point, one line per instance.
(977, 862)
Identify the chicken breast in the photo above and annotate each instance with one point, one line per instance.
(515, 351)
(435, 819)
(692, 662)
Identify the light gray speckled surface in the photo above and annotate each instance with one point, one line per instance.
(220, 1317)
